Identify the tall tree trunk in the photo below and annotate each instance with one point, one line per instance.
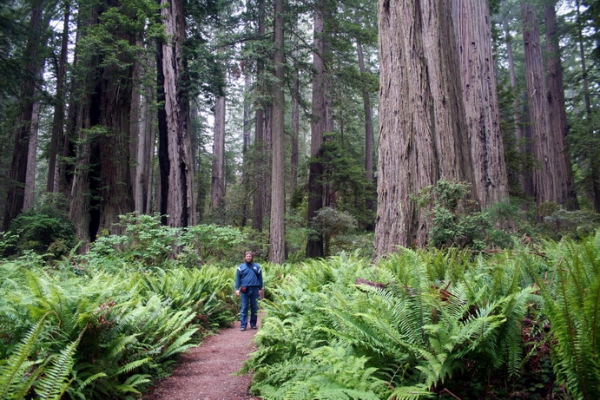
(546, 175)
(177, 175)
(276, 231)
(558, 114)
(422, 124)
(520, 174)
(472, 27)
(595, 155)
(29, 195)
(33, 64)
(321, 123)
(218, 160)
(369, 134)
(144, 132)
(58, 119)
(259, 136)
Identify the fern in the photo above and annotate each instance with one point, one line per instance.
(13, 370)
(55, 381)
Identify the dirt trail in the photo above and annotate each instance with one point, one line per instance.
(206, 372)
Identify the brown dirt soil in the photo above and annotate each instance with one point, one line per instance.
(206, 372)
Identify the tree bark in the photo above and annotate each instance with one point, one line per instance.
(422, 132)
(547, 181)
(558, 114)
(259, 135)
(276, 231)
(472, 27)
(218, 160)
(177, 174)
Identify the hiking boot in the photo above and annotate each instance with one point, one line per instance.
(242, 328)
(254, 327)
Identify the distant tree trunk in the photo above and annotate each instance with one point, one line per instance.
(295, 156)
(546, 170)
(246, 143)
(33, 64)
(557, 112)
(472, 27)
(144, 133)
(369, 134)
(519, 138)
(178, 187)
(321, 123)
(29, 195)
(276, 231)
(259, 134)
(422, 125)
(218, 160)
(58, 119)
(595, 156)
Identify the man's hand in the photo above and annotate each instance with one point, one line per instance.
(237, 292)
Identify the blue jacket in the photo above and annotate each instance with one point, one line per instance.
(248, 276)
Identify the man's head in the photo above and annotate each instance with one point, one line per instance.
(248, 256)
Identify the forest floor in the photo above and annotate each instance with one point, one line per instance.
(206, 372)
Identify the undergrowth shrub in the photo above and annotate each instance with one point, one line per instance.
(428, 323)
(44, 230)
(103, 333)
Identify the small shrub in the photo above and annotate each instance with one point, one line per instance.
(43, 230)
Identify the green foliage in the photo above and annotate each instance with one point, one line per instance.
(146, 243)
(330, 223)
(572, 302)
(45, 229)
(106, 333)
(455, 221)
(212, 243)
(425, 322)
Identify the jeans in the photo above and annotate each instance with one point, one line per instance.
(250, 298)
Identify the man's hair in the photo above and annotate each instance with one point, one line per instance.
(249, 252)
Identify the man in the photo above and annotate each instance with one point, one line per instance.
(248, 284)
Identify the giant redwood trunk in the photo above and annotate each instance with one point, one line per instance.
(101, 189)
(177, 189)
(422, 132)
(472, 27)
(557, 111)
(549, 169)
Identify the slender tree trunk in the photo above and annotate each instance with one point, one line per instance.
(369, 134)
(29, 196)
(422, 133)
(218, 161)
(472, 27)
(321, 123)
(519, 137)
(259, 134)
(177, 175)
(295, 156)
(595, 156)
(558, 114)
(143, 131)
(276, 232)
(58, 119)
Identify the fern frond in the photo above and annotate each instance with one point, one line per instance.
(14, 368)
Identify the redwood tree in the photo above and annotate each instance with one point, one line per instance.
(422, 132)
